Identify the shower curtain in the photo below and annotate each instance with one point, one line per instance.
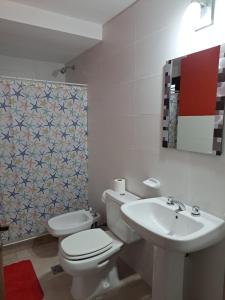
(43, 153)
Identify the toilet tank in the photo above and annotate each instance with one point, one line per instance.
(113, 201)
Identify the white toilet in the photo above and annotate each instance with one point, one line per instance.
(72, 222)
(90, 256)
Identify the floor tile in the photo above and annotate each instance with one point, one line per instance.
(57, 287)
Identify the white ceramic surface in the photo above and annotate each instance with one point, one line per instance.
(90, 256)
(70, 223)
(158, 222)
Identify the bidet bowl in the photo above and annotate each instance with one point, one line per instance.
(158, 222)
(71, 222)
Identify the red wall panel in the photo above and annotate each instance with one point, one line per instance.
(199, 73)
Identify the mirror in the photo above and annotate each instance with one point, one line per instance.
(194, 97)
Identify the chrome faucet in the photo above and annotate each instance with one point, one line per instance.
(181, 206)
(172, 201)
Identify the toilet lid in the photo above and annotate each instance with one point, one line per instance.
(86, 244)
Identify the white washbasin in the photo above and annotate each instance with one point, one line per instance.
(158, 222)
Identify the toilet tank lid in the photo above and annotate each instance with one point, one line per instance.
(119, 198)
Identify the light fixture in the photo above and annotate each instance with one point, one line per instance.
(203, 10)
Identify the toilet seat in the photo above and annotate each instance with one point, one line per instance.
(74, 265)
(86, 244)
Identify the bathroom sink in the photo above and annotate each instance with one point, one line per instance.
(156, 221)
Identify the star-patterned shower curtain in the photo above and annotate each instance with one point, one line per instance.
(43, 153)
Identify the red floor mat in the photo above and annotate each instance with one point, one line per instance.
(21, 282)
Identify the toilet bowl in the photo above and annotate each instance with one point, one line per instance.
(90, 256)
(92, 264)
(72, 222)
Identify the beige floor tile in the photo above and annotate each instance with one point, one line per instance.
(57, 287)
(24, 254)
(9, 259)
(133, 289)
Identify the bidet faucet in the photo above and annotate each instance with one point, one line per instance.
(181, 206)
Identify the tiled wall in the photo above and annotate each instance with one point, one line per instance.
(20, 67)
(124, 75)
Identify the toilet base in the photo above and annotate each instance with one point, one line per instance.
(87, 287)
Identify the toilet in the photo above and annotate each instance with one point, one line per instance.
(72, 222)
(90, 256)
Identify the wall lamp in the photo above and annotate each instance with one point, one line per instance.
(203, 10)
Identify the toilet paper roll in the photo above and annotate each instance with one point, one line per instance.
(119, 185)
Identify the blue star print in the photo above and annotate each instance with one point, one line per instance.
(64, 135)
(39, 163)
(13, 193)
(66, 184)
(10, 166)
(51, 150)
(74, 97)
(37, 135)
(62, 107)
(35, 107)
(42, 189)
(18, 94)
(43, 153)
(4, 106)
(53, 177)
(27, 207)
(14, 220)
(66, 160)
(20, 124)
(7, 136)
(49, 124)
(23, 153)
(48, 95)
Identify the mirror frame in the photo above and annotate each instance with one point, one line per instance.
(171, 104)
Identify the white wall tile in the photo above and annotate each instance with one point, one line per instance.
(148, 91)
(119, 67)
(152, 52)
(124, 75)
(119, 32)
(148, 132)
(19, 67)
(113, 99)
(152, 16)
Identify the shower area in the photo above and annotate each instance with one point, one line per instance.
(43, 153)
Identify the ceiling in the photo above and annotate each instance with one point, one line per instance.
(31, 42)
(54, 30)
(97, 11)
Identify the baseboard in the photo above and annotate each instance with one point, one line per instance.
(32, 241)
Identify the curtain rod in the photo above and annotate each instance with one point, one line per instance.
(46, 81)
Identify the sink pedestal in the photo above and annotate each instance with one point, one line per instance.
(168, 272)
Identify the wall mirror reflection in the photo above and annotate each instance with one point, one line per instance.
(194, 97)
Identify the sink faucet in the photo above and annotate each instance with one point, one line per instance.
(181, 206)
(171, 201)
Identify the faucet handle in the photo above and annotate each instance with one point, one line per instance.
(195, 210)
(87, 207)
(93, 212)
(170, 200)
